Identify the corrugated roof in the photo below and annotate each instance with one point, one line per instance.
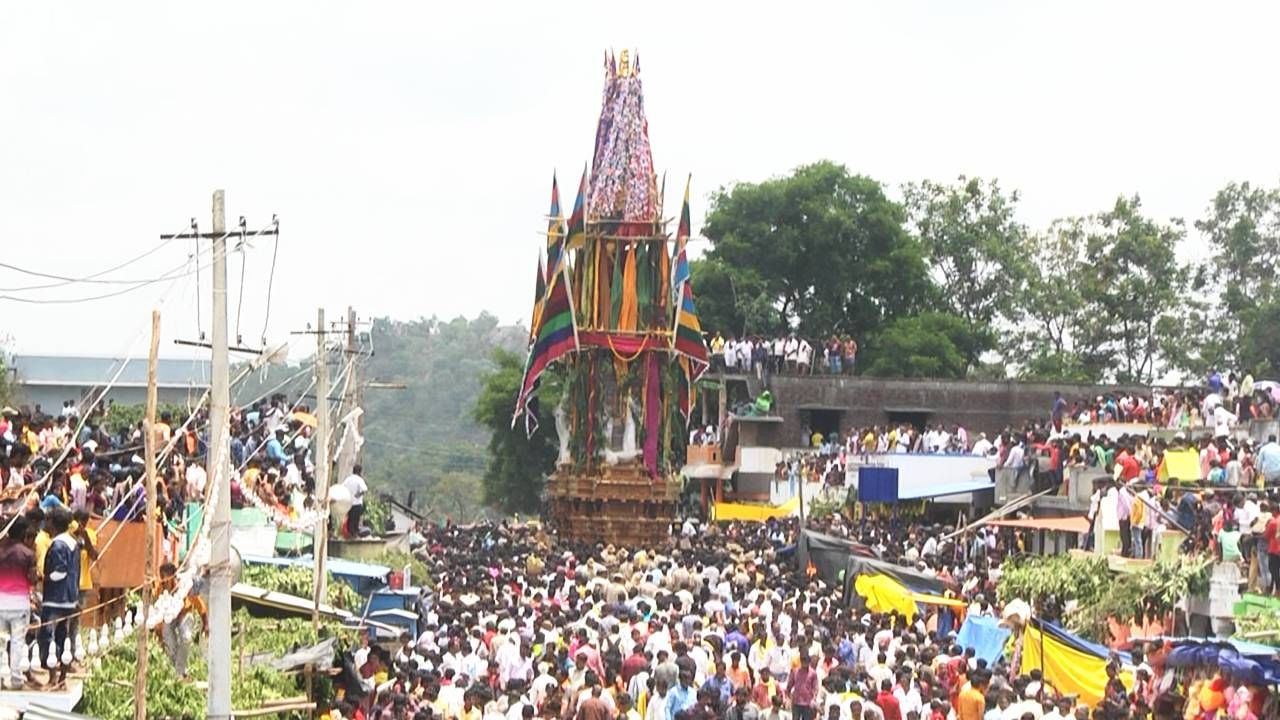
(90, 371)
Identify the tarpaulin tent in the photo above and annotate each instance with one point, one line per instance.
(725, 511)
(883, 594)
(985, 636)
(915, 580)
(828, 554)
(1071, 664)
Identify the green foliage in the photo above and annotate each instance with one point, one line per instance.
(1243, 230)
(396, 560)
(298, 581)
(823, 249)
(1052, 581)
(108, 690)
(976, 249)
(122, 416)
(423, 439)
(377, 513)
(1107, 299)
(932, 345)
(518, 464)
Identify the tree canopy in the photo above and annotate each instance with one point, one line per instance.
(821, 250)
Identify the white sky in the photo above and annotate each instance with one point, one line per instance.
(408, 147)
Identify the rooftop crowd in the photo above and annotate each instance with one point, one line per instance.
(61, 475)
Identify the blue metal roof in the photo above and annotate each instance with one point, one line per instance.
(91, 371)
(941, 489)
(335, 565)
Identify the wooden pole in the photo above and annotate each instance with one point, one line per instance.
(149, 443)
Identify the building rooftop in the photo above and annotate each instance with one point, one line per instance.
(92, 371)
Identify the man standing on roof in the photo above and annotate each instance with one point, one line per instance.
(358, 488)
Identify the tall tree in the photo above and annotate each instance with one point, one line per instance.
(732, 301)
(928, 345)
(1243, 230)
(976, 249)
(518, 464)
(828, 248)
(1044, 343)
(1136, 290)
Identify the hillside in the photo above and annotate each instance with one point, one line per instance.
(422, 439)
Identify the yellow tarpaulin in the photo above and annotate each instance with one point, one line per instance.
(1069, 670)
(1180, 465)
(884, 594)
(726, 512)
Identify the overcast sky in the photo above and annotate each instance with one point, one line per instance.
(408, 147)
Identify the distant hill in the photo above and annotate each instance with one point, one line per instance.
(422, 439)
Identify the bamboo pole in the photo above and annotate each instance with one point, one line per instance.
(149, 443)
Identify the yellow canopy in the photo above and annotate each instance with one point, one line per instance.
(884, 594)
(1069, 670)
(726, 512)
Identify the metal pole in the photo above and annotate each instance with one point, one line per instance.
(149, 443)
(220, 474)
(320, 539)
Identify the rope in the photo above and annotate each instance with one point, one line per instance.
(618, 356)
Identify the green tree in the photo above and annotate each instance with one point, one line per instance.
(976, 249)
(731, 302)
(826, 249)
(518, 464)
(928, 345)
(1136, 289)
(1243, 230)
(417, 436)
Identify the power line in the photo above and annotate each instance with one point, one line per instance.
(91, 278)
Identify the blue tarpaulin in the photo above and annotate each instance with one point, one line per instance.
(985, 636)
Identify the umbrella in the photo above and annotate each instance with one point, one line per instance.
(1269, 385)
(306, 419)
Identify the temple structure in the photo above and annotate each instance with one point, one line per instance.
(615, 341)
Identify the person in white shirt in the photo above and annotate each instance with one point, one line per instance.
(983, 446)
(358, 488)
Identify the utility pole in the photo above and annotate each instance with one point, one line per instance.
(148, 576)
(218, 459)
(220, 527)
(320, 541)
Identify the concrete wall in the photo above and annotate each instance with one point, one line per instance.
(978, 406)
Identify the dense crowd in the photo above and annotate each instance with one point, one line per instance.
(720, 623)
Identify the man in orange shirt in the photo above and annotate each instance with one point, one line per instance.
(972, 703)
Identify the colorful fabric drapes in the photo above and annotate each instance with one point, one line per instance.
(555, 231)
(575, 238)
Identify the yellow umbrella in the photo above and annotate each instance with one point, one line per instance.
(306, 419)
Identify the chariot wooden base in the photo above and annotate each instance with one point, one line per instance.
(618, 504)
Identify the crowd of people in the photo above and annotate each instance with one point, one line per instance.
(720, 623)
(786, 354)
(61, 475)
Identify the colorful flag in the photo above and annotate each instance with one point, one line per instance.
(686, 337)
(577, 233)
(556, 335)
(680, 264)
(555, 231)
(539, 293)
